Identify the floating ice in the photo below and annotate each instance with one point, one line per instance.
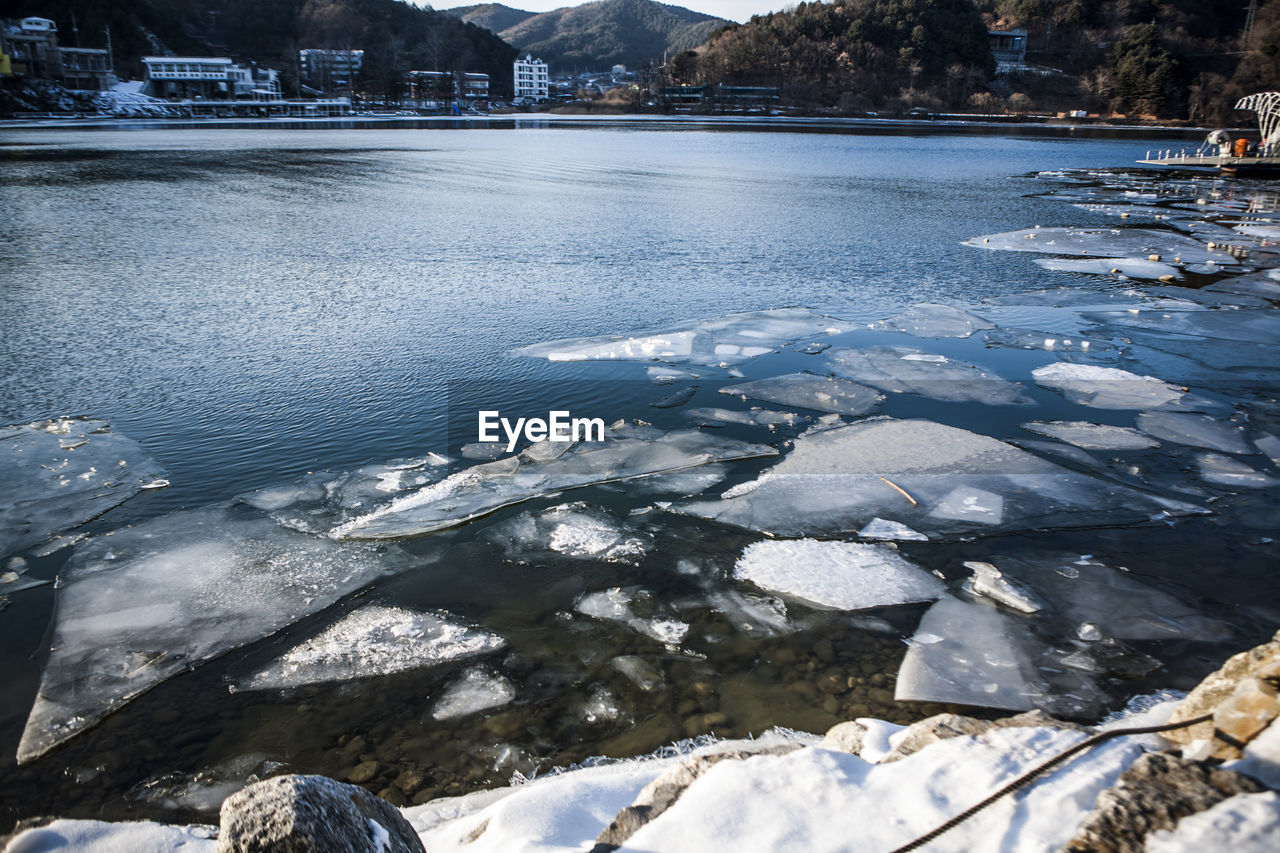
(937, 479)
(1092, 436)
(1104, 243)
(479, 689)
(601, 707)
(1107, 387)
(904, 370)
(1259, 326)
(1031, 339)
(727, 340)
(1270, 445)
(805, 390)
(981, 657)
(1225, 471)
(483, 450)
(1127, 267)
(575, 530)
(616, 605)
(676, 399)
(881, 528)
(204, 791)
(1195, 430)
(989, 581)
(145, 603)
(685, 482)
(639, 671)
(753, 615)
(928, 320)
(626, 452)
(752, 417)
(665, 375)
(61, 473)
(1264, 284)
(373, 641)
(836, 575)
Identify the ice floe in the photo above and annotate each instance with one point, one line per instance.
(805, 390)
(1031, 339)
(752, 615)
(1127, 267)
(676, 399)
(1105, 243)
(836, 575)
(990, 582)
(905, 370)
(145, 603)
(576, 531)
(61, 473)
(1259, 326)
(929, 320)
(627, 451)
(969, 654)
(1225, 471)
(373, 641)
(206, 789)
(478, 689)
(720, 341)
(754, 416)
(618, 604)
(1196, 431)
(1107, 387)
(883, 528)
(938, 480)
(1093, 436)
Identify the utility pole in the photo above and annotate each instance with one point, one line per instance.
(75, 29)
(1250, 14)
(111, 57)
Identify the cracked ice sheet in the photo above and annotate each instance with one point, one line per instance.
(143, 604)
(970, 654)
(478, 689)
(720, 341)
(805, 390)
(938, 480)
(627, 451)
(63, 472)
(1093, 436)
(1259, 326)
(1105, 243)
(373, 641)
(930, 320)
(905, 370)
(577, 531)
(836, 575)
(1196, 431)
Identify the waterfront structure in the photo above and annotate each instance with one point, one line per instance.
(531, 80)
(433, 90)
(1235, 155)
(330, 70)
(1008, 48)
(29, 48)
(209, 77)
(475, 86)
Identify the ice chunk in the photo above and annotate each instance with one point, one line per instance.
(1093, 436)
(980, 657)
(1259, 326)
(204, 791)
(881, 528)
(1107, 387)
(1195, 430)
(665, 375)
(575, 530)
(904, 370)
(373, 641)
(676, 399)
(1265, 285)
(685, 482)
(1128, 267)
(805, 390)
(753, 615)
(835, 482)
(148, 602)
(752, 417)
(61, 473)
(616, 605)
(731, 339)
(479, 689)
(639, 671)
(1104, 243)
(989, 581)
(1031, 339)
(626, 452)
(928, 320)
(483, 450)
(601, 707)
(1270, 445)
(836, 575)
(1225, 471)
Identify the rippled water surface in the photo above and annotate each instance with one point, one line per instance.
(253, 305)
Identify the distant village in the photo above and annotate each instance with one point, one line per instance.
(328, 82)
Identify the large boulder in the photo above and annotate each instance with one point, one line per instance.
(312, 814)
(1242, 697)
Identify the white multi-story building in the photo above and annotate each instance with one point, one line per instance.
(531, 78)
(210, 78)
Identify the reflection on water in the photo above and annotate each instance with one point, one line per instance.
(254, 306)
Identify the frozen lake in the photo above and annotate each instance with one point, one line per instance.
(296, 329)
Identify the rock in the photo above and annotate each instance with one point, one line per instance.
(1262, 757)
(1156, 792)
(918, 735)
(1220, 685)
(365, 771)
(833, 682)
(845, 737)
(310, 814)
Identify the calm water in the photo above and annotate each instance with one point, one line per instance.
(251, 305)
